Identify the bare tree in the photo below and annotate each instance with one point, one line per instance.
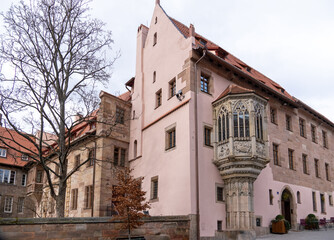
(129, 200)
(55, 56)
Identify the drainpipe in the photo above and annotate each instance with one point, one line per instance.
(196, 150)
(92, 213)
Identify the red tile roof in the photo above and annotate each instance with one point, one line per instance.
(125, 96)
(233, 89)
(16, 141)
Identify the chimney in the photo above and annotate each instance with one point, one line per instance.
(157, 2)
(191, 31)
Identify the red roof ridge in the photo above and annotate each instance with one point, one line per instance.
(233, 89)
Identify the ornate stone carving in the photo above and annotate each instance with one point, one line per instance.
(260, 149)
(242, 147)
(223, 150)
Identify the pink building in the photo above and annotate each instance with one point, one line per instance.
(219, 141)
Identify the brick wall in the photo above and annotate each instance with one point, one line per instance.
(105, 228)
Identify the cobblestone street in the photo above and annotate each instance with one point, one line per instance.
(303, 235)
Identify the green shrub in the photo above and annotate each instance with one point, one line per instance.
(311, 222)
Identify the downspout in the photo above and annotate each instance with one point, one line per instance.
(92, 213)
(196, 151)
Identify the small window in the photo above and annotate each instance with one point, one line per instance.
(8, 206)
(24, 179)
(74, 199)
(155, 39)
(133, 114)
(322, 203)
(88, 196)
(291, 159)
(305, 168)
(154, 76)
(271, 197)
(302, 127)
(258, 221)
(77, 160)
(275, 154)
(204, 83)
(313, 133)
(24, 157)
(39, 176)
(170, 139)
(324, 139)
(3, 152)
(91, 157)
(207, 136)
(172, 88)
(156, 20)
(20, 204)
(219, 225)
(298, 197)
(122, 160)
(120, 115)
(135, 149)
(327, 170)
(116, 156)
(158, 98)
(154, 188)
(314, 201)
(316, 167)
(119, 156)
(273, 115)
(220, 193)
(330, 200)
(288, 122)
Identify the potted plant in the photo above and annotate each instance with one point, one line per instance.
(311, 222)
(280, 225)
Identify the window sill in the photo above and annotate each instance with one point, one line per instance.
(157, 107)
(170, 97)
(275, 123)
(208, 146)
(154, 200)
(206, 93)
(170, 149)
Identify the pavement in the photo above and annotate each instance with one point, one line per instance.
(302, 235)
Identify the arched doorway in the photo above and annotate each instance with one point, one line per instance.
(286, 205)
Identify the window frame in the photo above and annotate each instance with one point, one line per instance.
(24, 157)
(3, 152)
(24, 179)
(77, 160)
(288, 122)
(271, 197)
(276, 154)
(10, 205)
(91, 157)
(302, 127)
(291, 159)
(324, 139)
(170, 138)
(172, 88)
(7, 175)
(273, 115)
(305, 164)
(155, 39)
(74, 199)
(89, 195)
(158, 98)
(313, 133)
(314, 201)
(220, 193)
(119, 115)
(205, 83)
(327, 171)
(20, 205)
(207, 136)
(154, 189)
(316, 168)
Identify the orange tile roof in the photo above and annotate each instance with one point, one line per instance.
(218, 51)
(234, 89)
(15, 140)
(125, 96)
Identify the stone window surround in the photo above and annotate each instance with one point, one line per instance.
(153, 198)
(209, 127)
(221, 185)
(169, 129)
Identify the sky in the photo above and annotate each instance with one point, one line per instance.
(291, 42)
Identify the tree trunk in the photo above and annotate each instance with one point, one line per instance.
(60, 201)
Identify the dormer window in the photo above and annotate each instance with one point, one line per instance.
(3, 152)
(24, 157)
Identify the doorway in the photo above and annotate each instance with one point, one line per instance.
(286, 205)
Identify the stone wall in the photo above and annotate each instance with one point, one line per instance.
(105, 228)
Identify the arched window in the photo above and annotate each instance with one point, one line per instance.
(135, 149)
(258, 122)
(240, 121)
(298, 197)
(223, 125)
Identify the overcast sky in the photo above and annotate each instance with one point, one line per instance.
(289, 41)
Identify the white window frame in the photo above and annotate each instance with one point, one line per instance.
(3, 152)
(10, 199)
(2, 176)
(20, 205)
(24, 179)
(24, 157)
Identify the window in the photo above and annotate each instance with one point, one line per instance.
(313, 133)
(135, 149)
(204, 84)
(273, 115)
(74, 199)
(271, 197)
(327, 171)
(314, 201)
(258, 122)
(258, 221)
(330, 200)
(316, 167)
(3, 152)
(156, 20)
(154, 188)
(172, 88)
(241, 121)
(291, 161)
(24, 157)
(219, 193)
(7, 176)
(77, 160)
(119, 156)
(8, 204)
(223, 125)
(275, 154)
(133, 114)
(207, 136)
(39, 176)
(122, 160)
(91, 157)
(120, 115)
(298, 197)
(20, 204)
(116, 154)
(154, 76)
(158, 99)
(324, 139)
(88, 196)
(155, 38)
(170, 139)
(24, 179)
(304, 157)
(302, 127)
(288, 122)
(219, 225)
(322, 203)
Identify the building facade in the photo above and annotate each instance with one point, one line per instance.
(217, 139)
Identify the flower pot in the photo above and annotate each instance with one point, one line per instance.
(278, 227)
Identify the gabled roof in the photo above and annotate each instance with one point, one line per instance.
(233, 89)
